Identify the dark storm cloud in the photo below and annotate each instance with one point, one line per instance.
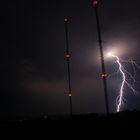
(33, 67)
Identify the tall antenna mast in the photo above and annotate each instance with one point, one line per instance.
(68, 65)
(103, 74)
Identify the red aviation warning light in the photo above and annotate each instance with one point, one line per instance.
(65, 19)
(104, 74)
(67, 55)
(95, 2)
(69, 94)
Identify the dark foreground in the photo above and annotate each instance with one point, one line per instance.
(84, 127)
(124, 120)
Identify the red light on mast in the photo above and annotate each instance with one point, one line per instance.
(67, 55)
(104, 74)
(65, 19)
(69, 94)
(95, 2)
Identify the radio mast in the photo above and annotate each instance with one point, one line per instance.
(103, 74)
(68, 65)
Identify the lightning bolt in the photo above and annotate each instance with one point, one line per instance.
(120, 98)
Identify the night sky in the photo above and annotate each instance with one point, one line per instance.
(33, 70)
